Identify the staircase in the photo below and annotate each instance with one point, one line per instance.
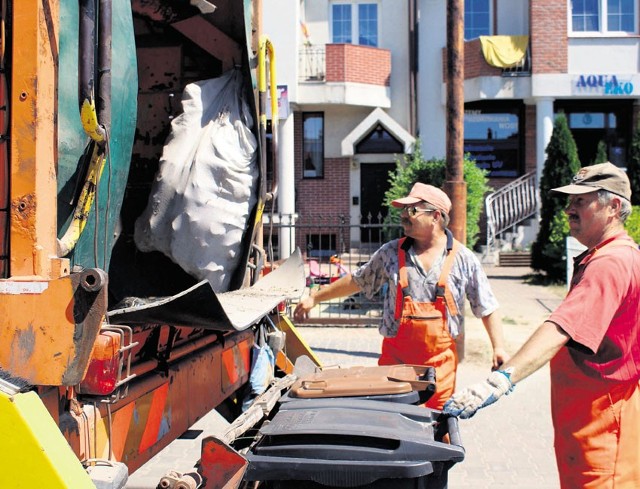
(509, 206)
(514, 259)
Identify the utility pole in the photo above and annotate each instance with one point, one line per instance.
(454, 185)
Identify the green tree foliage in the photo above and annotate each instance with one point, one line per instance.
(633, 224)
(601, 153)
(414, 168)
(633, 167)
(548, 251)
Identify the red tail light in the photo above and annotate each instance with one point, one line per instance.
(104, 366)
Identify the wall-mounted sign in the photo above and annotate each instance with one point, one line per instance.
(594, 84)
(283, 102)
(493, 141)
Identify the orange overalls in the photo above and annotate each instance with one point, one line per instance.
(423, 334)
(596, 426)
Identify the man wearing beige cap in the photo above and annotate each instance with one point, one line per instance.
(591, 340)
(428, 274)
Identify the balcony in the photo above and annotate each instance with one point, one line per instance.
(484, 81)
(344, 74)
(475, 64)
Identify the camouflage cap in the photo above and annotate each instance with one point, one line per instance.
(603, 176)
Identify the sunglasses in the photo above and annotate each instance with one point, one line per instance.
(413, 211)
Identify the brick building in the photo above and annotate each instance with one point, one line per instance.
(582, 59)
(346, 72)
(363, 78)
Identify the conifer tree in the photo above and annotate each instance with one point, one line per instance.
(548, 252)
(601, 153)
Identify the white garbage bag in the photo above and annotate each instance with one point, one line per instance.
(206, 184)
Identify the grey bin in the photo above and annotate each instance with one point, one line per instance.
(337, 442)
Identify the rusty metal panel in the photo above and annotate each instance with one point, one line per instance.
(211, 39)
(160, 69)
(199, 306)
(160, 82)
(160, 407)
(33, 131)
(221, 466)
(49, 328)
(154, 123)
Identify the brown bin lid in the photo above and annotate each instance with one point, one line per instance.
(361, 381)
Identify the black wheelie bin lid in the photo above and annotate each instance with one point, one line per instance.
(354, 443)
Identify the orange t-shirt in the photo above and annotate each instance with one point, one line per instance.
(601, 312)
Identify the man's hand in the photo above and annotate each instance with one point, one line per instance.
(465, 403)
(301, 312)
(500, 357)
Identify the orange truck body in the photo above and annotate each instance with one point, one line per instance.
(120, 391)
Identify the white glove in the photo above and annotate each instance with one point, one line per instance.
(465, 403)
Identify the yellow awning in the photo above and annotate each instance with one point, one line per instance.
(504, 51)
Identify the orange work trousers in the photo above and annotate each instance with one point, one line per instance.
(596, 427)
(423, 339)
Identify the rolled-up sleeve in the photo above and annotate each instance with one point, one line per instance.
(371, 276)
(478, 290)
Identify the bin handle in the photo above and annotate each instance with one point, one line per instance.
(454, 431)
(428, 376)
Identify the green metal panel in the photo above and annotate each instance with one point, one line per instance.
(248, 30)
(94, 247)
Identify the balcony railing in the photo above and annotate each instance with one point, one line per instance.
(523, 68)
(312, 65)
(345, 63)
(509, 206)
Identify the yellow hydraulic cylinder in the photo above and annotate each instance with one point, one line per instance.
(33, 451)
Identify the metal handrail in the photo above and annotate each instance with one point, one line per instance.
(510, 205)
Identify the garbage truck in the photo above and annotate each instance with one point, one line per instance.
(136, 296)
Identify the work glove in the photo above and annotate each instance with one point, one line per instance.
(465, 403)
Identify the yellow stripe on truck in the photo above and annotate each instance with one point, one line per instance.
(32, 449)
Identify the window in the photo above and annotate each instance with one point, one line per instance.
(357, 21)
(321, 245)
(379, 140)
(368, 24)
(593, 122)
(603, 16)
(492, 137)
(313, 145)
(477, 19)
(342, 23)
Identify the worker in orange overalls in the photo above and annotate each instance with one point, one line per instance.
(427, 274)
(592, 341)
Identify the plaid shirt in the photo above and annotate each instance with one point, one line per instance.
(466, 277)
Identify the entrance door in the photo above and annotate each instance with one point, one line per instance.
(374, 183)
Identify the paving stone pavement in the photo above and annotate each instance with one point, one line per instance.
(509, 444)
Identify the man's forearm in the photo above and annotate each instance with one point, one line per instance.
(494, 329)
(343, 287)
(539, 349)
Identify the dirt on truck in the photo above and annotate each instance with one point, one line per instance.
(136, 314)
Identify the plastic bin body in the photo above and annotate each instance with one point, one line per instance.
(354, 443)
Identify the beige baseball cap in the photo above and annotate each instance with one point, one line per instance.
(427, 193)
(603, 176)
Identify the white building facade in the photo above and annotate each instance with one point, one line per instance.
(364, 78)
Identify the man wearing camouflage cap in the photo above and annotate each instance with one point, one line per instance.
(591, 340)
